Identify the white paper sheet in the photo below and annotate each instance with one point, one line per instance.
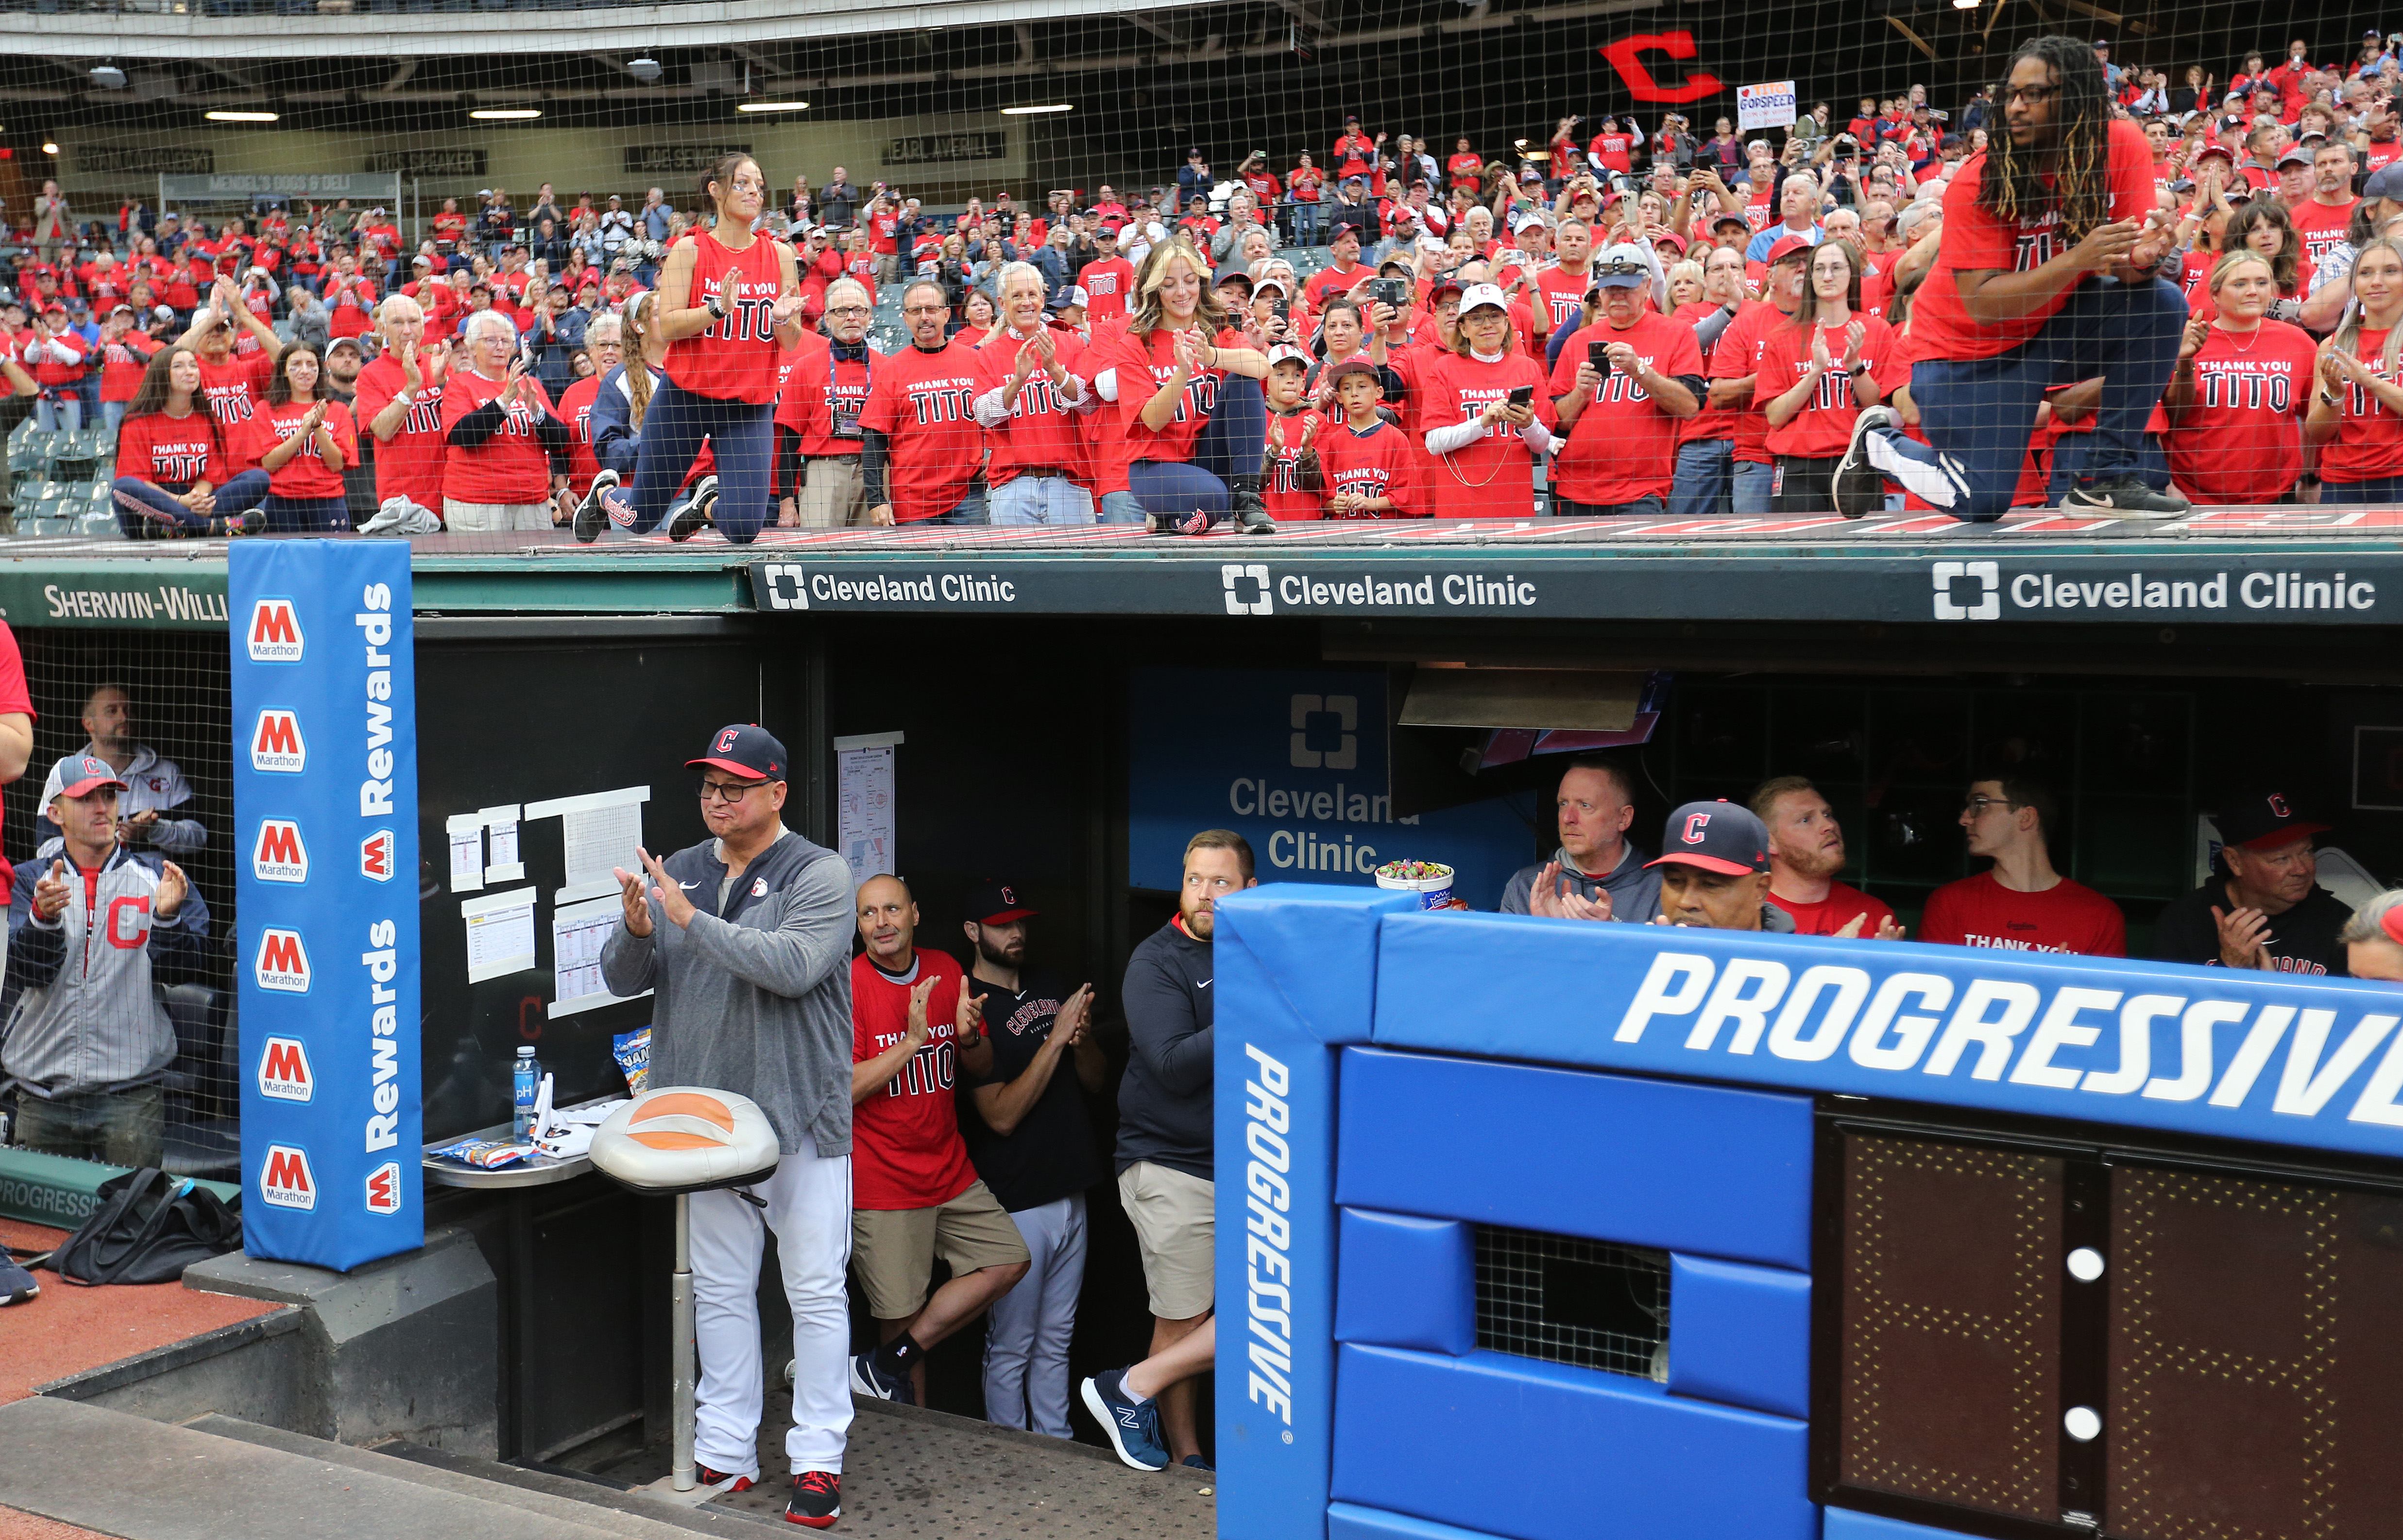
(500, 933)
(577, 933)
(864, 784)
(466, 835)
(601, 830)
(502, 863)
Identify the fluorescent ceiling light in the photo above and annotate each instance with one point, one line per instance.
(242, 116)
(769, 107)
(1054, 107)
(505, 115)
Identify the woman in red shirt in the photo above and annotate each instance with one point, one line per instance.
(1303, 188)
(1466, 168)
(1816, 373)
(729, 302)
(976, 318)
(1186, 388)
(2357, 408)
(2241, 387)
(502, 433)
(1486, 416)
(171, 466)
(124, 356)
(303, 443)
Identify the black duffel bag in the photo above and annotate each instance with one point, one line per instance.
(148, 1228)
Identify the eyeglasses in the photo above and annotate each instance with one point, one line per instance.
(925, 309)
(724, 791)
(2035, 96)
(848, 309)
(1976, 805)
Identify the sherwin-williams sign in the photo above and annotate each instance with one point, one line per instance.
(325, 803)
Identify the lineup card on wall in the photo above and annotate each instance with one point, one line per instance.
(500, 933)
(577, 933)
(863, 791)
(470, 868)
(601, 831)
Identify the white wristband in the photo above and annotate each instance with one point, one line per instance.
(405, 398)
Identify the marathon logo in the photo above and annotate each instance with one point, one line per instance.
(383, 1188)
(283, 1071)
(275, 633)
(276, 746)
(278, 855)
(1268, 1236)
(284, 1179)
(283, 964)
(2167, 1041)
(1978, 591)
(378, 856)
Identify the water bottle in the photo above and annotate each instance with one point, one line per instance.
(526, 1078)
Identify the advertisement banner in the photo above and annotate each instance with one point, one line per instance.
(1769, 106)
(1294, 761)
(324, 787)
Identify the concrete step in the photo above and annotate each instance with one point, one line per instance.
(125, 1476)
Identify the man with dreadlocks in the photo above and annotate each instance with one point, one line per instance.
(2047, 272)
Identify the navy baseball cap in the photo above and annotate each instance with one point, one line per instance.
(746, 749)
(81, 775)
(992, 903)
(1716, 837)
(2264, 820)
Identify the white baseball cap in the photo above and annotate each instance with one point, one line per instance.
(1483, 294)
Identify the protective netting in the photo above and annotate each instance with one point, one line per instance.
(317, 155)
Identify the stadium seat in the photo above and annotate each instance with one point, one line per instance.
(99, 523)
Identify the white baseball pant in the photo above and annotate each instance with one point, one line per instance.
(1027, 1331)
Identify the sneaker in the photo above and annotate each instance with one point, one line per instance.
(870, 1378)
(721, 1480)
(1251, 512)
(16, 1285)
(816, 1501)
(591, 516)
(684, 525)
(2125, 495)
(1194, 1461)
(1196, 523)
(1860, 487)
(1133, 1426)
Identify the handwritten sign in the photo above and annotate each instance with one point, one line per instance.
(1769, 106)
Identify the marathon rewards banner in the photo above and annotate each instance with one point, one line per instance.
(2214, 1052)
(324, 793)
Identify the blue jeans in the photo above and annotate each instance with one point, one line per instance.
(1705, 477)
(971, 510)
(1305, 224)
(113, 413)
(1642, 508)
(1122, 507)
(742, 434)
(1753, 488)
(117, 1128)
(303, 515)
(1978, 413)
(2385, 489)
(146, 507)
(1041, 500)
(1230, 446)
(49, 409)
(2072, 452)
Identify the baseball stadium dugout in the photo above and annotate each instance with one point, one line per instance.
(1544, 1281)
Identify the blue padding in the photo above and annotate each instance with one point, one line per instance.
(1740, 1334)
(1405, 1282)
(1844, 1524)
(1300, 953)
(1543, 1451)
(1700, 1169)
(1351, 1522)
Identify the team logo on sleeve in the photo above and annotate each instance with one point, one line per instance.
(283, 964)
(284, 1072)
(278, 855)
(276, 746)
(383, 1188)
(275, 633)
(284, 1179)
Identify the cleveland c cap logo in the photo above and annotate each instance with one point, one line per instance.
(2278, 808)
(1007, 896)
(726, 742)
(1695, 823)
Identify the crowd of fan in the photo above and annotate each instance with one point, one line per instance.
(1706, 386)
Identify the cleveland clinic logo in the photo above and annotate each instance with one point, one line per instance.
(1247, 587)
(1968, 591)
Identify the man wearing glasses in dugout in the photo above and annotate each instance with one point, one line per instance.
(746, 939)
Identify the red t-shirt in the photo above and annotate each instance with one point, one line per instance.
(1106, 285)
(2320, 229)
(2241, 440)
(813, 380)
(510, 466)
(1824, 427)
(1042, 428)
(1624, 444)
(1738, 354)
(1377, 461)
(735, 359)
(924, 402)
(1352, 153)
(306, 474)
(13, 698)
(1978, 911)
(1565, 293)
(1280, 486)
(1710, 422)
(2379, 153)
(2368, 442)
(171, 451)
(1493, 477)
(235, 388)
(905, 1140)
(124, 360)
(1304, 184)
(1466, 170)
(883, 230)
(575, 410)
(1144, 365)
(1612, 150)
(1835, 911)
(1327, 282)
(411, 463)
(1975, 240)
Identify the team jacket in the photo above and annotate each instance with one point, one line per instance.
(88, 1017)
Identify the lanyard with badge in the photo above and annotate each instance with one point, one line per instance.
(845, 414)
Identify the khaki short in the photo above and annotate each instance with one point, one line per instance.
(894, 1250)
(1176, 1228)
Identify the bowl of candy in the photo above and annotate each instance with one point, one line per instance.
(1430, 879)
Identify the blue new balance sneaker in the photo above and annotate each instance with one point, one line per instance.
(1133, 1426)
